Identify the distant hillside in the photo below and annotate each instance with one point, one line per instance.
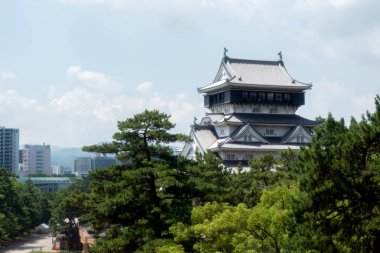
(66, 156)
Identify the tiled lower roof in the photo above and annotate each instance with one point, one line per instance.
(270, 119)
(256, 147)
(204, 135)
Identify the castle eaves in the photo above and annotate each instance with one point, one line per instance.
(254, 74)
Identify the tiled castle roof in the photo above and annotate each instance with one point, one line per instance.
(253, 74)
(269, 119)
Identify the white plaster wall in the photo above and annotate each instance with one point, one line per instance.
(249, 108)
(278, 131)
(228, 130)
(240, 156)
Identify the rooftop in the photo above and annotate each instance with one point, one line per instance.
(253, 74)
(39, 180)
(267, 119)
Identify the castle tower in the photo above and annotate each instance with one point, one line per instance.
(250, 110)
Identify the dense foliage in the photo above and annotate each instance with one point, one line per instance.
(22, 206)
(339, 204)
(324, 198)
(69, 206)
(138, 201)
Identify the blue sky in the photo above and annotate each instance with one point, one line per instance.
(70, 69)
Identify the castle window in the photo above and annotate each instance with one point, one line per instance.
(287, 97)
(300, 139)
(252, 96)
(255, 96)
(269, 131)
(270, 96)
(261, 96)
(248, 157)
(278, 97)
(230, 157)
(222, 131)
(248, 138)
(221, 97)
(245, 96)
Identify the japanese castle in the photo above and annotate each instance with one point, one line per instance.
(250, 110)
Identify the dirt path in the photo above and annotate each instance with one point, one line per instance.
(29, 243)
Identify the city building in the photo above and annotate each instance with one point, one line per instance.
(9, 149)
(49, 184)
(61, 170)
(82, 166)
(35, 159)
(56, 169)
(99, 162)
(250, 110)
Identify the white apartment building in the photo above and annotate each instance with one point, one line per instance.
(36, 159)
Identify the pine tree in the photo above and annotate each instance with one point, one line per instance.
(138, 201)
(338, 209)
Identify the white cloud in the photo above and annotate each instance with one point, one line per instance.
(27, 114)
(11, 100)
(373, 40)
(364, 103)
(345, 47)
(144, 87)
(158, 5)
(156, 102)
(94, 80)
(180, 109)
(243, 9)
(341, 4)
(7, 75)
(317, 5)
(79, 100)
(330, 96)
(51, 91)
(84, 115)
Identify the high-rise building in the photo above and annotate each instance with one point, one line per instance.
(250, 110)
(9, 149)
(35, 160)
(82, 166)
(99, 162)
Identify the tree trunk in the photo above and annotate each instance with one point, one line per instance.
(157, 223)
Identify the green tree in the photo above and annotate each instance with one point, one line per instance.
(9, 223)
(138, 201)
(263, 168)
(208, 179)
(22, 205)
(338, 208)
(34, 205)
(213, 182)
(140, 138)
(68, 211)
(224, 228)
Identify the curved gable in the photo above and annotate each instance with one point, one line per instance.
(298, 135)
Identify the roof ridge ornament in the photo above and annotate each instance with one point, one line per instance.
(225, 53)
(280, 55)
